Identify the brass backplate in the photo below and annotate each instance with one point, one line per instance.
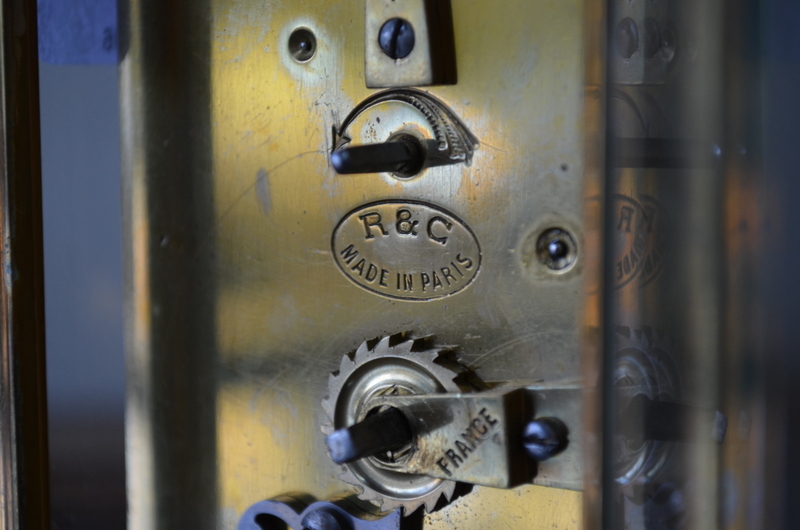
(238, 309)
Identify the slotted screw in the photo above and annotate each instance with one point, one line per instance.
(396, 38)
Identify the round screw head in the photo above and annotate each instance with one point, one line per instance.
(322, 520)
(627, 38)
(556, 248)
(669, 43)
(652, 37)
(544, 438)
(667, 507)
(302, 45)
(396, 38)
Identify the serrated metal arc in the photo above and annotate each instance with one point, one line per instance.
(645, 357)
(327, 406)
(361, 351)
(409, 349)
(400, 345)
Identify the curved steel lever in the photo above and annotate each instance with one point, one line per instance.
(404, 156)
(384, 431)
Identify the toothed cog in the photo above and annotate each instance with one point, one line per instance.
(394, 365)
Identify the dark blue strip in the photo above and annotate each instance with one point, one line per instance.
(78, 31)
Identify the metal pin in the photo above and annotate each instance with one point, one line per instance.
(668, 422)
(403, 156)
(665, 153)
(384, 431)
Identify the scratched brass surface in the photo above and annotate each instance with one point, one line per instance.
(237, 310)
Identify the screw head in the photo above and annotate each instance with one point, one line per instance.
(669, 43)
(556, 248)
(652, 37)
(667, 507)
(302, 45)
(544, 438)
(321, 520)
(627, 38)
(396, 38)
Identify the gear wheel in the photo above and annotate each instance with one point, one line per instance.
(391, 365)
(644, 365)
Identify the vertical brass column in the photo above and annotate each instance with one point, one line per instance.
(169, 255)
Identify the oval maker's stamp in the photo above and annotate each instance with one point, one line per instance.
(640, 239)
(408, 250)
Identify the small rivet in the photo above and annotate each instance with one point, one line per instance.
(556, 248)
(302, 45)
